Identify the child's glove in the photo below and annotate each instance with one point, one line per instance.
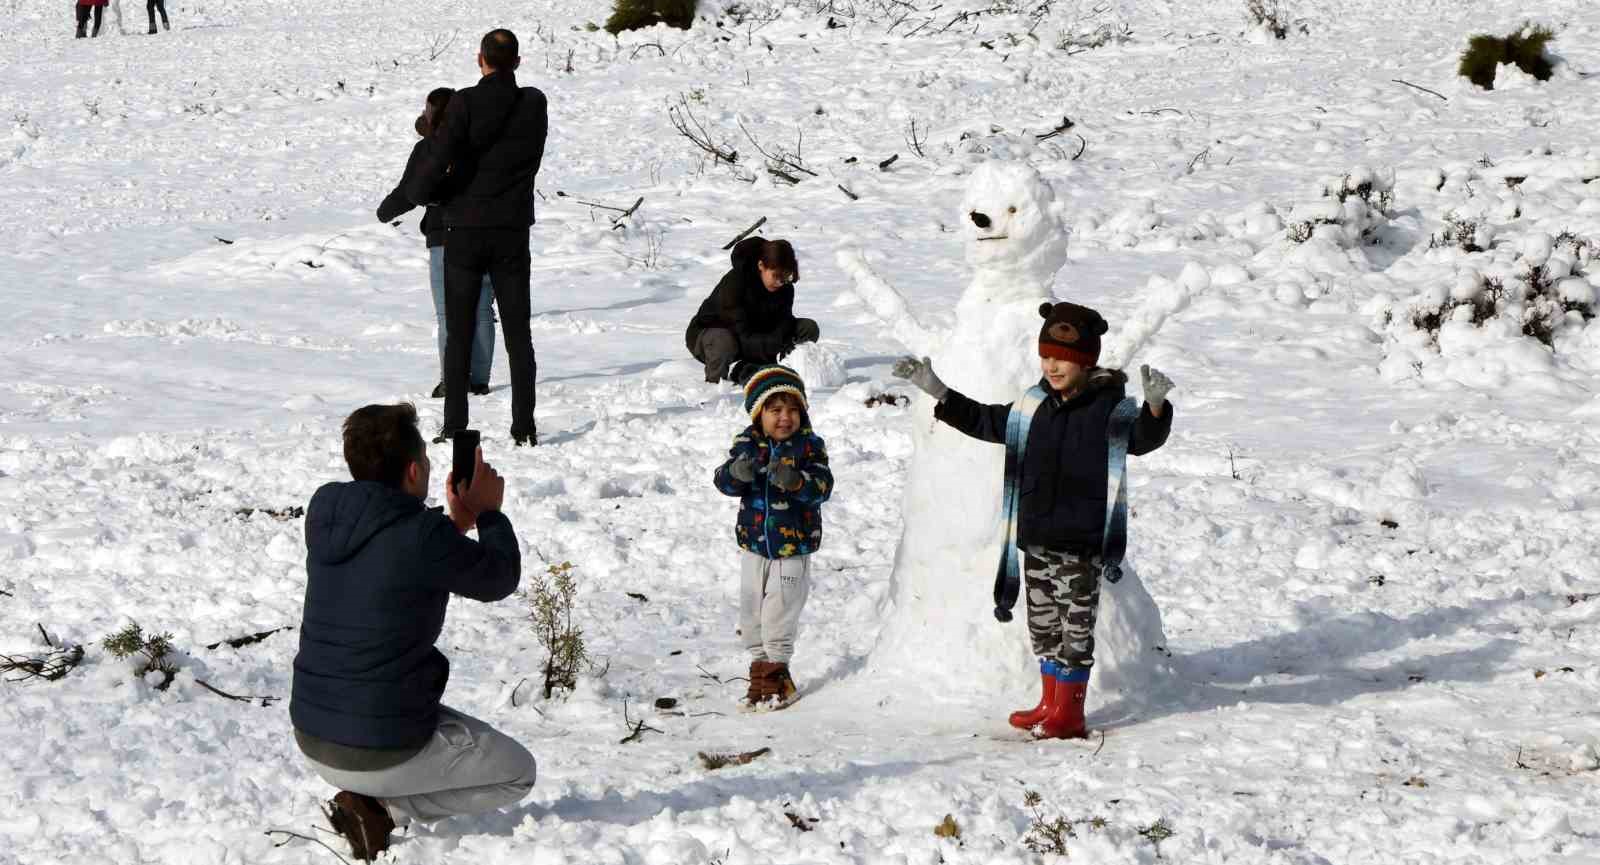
(920, 373)
(1156, 385)
(785, 477)
(743, 469)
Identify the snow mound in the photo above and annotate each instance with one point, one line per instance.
(819, 367)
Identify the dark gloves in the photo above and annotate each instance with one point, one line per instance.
(785, 477)
(743, 469)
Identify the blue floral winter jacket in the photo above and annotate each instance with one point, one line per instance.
(774, 523)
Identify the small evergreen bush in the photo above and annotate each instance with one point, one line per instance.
(638, 14)
(1525, 49)
(156, 650)
(551, 595)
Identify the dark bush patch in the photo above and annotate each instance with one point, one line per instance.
(1525, 49)
(1457, 232)
(638, 14)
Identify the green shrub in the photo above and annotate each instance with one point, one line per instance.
(551, 595)
(638, 14)
(1525, 49)
(156, 651)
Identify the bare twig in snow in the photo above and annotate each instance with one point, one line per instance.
(53, 666)
(784, 163)
(240, 642)
(690, 127)
(265, 701)
(441, 43)
(643, 45)
(746, 233)
(884, 165)
(915, 137)
(1420, 87)
(1066, 123)
(846, 191)
(291, 835)
(638, 728)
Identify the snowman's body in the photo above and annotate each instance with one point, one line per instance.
(943, 624)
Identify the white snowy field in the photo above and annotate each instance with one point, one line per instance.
(1373, 545)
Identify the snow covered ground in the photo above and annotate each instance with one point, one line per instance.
(1372, 540)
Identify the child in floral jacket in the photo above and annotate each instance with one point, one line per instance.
(778, 468)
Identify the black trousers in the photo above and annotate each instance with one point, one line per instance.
(83, 18)
(154, 6)
(502, 255)
(719, 349)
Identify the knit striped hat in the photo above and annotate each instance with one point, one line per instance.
(768, 380)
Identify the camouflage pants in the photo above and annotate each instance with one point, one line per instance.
(1063, 599)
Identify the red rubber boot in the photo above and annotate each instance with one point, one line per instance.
(1065, 719)
(1025, 719)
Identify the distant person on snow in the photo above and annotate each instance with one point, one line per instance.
(779, 470)
(396, 205)
(380, 568)
(1067, 440)
(98, 7)
(485, 156)
(748, 321)
(151, 7)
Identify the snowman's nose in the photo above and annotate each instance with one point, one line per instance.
(979, 219)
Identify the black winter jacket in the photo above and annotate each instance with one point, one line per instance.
(763, 320)
(380, 569)
(396, 204)
(491, 143)
(1063, 479)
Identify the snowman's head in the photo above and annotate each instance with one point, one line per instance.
(1013, 224)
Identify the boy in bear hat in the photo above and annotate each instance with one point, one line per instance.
(1066, 441)
(778, 468)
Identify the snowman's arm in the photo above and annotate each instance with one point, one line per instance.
(888, 305)
(1163, 300)
(973, 418)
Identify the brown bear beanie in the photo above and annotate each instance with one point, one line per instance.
(1071, 332)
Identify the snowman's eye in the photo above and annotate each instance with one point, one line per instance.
(1011, 209)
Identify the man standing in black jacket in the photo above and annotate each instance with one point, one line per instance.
(490, 144)
(380, 570)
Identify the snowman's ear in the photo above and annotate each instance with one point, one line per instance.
(1044, 309)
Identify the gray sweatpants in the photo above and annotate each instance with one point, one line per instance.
(467, 767)
(771, 594)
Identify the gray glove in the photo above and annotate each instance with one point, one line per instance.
(1156, 385)
(785, 477)
(920, 373)
(743, 469)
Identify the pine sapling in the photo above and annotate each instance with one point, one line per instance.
(551, 595)
(156, 651)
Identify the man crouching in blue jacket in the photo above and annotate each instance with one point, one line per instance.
(380, 568)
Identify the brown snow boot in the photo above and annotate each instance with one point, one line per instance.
(758, 684)
(781, 689)
(361, 820)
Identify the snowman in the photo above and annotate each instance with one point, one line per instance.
(943, 624)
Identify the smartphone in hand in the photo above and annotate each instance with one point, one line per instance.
(463, 457)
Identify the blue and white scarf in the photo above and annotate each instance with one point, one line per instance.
(1114, 544)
